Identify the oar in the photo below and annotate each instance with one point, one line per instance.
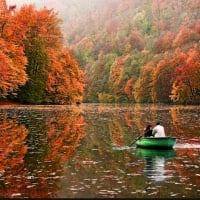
(135, 141)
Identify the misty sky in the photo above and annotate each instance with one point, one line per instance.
(38, 3)
(58, 5)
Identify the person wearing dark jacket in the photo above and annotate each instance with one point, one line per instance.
(148, 131)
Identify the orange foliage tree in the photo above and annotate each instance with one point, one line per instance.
(186, 87)
(128, 89)
(54, 75)
(136, 40)
(65, 79)
(12, 58)
(164, 43)
(116, 79)
(163, 77)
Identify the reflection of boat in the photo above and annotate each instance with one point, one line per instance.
(156, 142)
(152, 153)
(155, 162)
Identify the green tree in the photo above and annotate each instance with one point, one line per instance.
(34, 91)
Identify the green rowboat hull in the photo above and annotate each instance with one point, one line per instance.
(156, 142)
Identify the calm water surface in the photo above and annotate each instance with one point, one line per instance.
(83, 152)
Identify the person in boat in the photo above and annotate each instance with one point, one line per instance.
(158, 130)
(148, 131)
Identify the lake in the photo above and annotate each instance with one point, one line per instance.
(83, 152)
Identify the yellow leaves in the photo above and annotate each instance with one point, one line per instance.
(65, 79)
(105, 98)
(13, 60)
(12, 68)
(117, 69)
(177, 92)
(43, 24)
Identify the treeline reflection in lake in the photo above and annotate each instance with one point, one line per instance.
(82, 151)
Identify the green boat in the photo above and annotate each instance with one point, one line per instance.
(156, 142)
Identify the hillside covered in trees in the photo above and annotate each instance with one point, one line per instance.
(134, 51)
(137, 50)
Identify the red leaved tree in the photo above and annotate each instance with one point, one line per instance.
(186, 87)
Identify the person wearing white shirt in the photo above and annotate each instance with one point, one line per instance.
(158, 130)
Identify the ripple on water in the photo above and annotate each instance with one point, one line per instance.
(30, 186)
(15, 195)
(197, 174)
(174, 194)
(110, 193)
(187, 146)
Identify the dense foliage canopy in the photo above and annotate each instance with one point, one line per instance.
(141, 51)
(35, 67)
(138, 51)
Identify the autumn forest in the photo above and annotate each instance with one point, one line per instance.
(35, 66)
(115, 51)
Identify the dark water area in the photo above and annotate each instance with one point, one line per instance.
(83, 152)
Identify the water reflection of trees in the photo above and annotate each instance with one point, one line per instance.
(12, 145)
(178, 121)
(184, 122)
(12, 152)
(52, 136)
(33, 152)
(188, 166)
(104, 170)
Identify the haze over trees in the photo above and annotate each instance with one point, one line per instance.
(138, 51)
